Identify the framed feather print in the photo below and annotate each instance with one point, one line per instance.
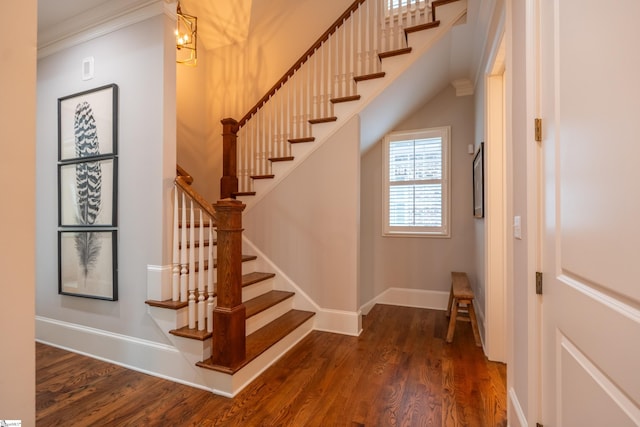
(87, 191)
(88, 123)
(87, 266)
(87, 194)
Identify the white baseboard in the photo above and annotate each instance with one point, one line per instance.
(157, 359)
(519, 419)
(339, 322)
(419, 298)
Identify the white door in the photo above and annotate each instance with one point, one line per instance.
(590, 105)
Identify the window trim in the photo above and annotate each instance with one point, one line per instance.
(444, 132)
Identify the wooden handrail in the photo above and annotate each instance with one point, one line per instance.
(196, 197)
(323, 38)
(184, 174)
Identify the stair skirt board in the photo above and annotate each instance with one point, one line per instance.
(368, 89)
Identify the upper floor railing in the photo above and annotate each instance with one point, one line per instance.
(324, 75)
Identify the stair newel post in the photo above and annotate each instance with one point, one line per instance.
(229, 340)
(229, 180)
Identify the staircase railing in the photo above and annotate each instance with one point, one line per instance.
(324, 75)
(196, 255)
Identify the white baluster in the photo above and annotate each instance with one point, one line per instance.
(184, 268)
(201, 275)
(192, 269)
(175, 279)
(210, 279)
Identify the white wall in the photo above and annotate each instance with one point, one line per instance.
(135, 58)
(308, 224)
(420, 263)
(237, 76)
(17, 217)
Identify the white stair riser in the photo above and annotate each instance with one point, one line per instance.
(256, 289)
(272, 313)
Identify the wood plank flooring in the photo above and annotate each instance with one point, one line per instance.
(398, 372)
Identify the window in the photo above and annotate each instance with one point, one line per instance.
(416, 183)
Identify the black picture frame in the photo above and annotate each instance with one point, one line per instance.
(87, 263)
(478, 182)
(94, 114)
(87, 193)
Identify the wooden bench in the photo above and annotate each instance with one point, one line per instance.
(461, 303)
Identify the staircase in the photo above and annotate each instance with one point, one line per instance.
(271, 323)
(231, 333)
(323, 90)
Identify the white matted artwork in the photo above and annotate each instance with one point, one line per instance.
(87, 123)
(87, 263)
(87, 193)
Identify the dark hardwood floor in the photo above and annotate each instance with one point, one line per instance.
(399, 372)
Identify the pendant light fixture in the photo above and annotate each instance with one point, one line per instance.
(186, 38)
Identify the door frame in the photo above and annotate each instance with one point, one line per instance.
(498, 255)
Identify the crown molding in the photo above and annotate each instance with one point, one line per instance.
(99, 21)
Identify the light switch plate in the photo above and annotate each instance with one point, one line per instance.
(517, 227)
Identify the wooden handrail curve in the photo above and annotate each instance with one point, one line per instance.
(184, 174)
(291, 71)
(181, 182)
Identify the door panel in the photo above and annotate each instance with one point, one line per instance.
(590, 105)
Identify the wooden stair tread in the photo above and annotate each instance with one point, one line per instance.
(264, 338)
(369, 76)
(262, 176)
(345, 99)
(197, 244)
(267, 300)
(255, 277)
(245, 258)
(195, 334)
(281, 159)
(243, 193)
(438, 3)
(396, 52)
(300, 140)
(197, 224)
(323, 120)
(422, 27)
(171, 305)
(247, 279)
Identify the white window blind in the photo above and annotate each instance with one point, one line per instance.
(416, 183)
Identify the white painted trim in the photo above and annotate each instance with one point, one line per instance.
(514, 403)
(98, 22)
(149, 357)
(496, 200)
(339, 321)
(534, 228)
(418, 298)
(159, 282)
(481, 325)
